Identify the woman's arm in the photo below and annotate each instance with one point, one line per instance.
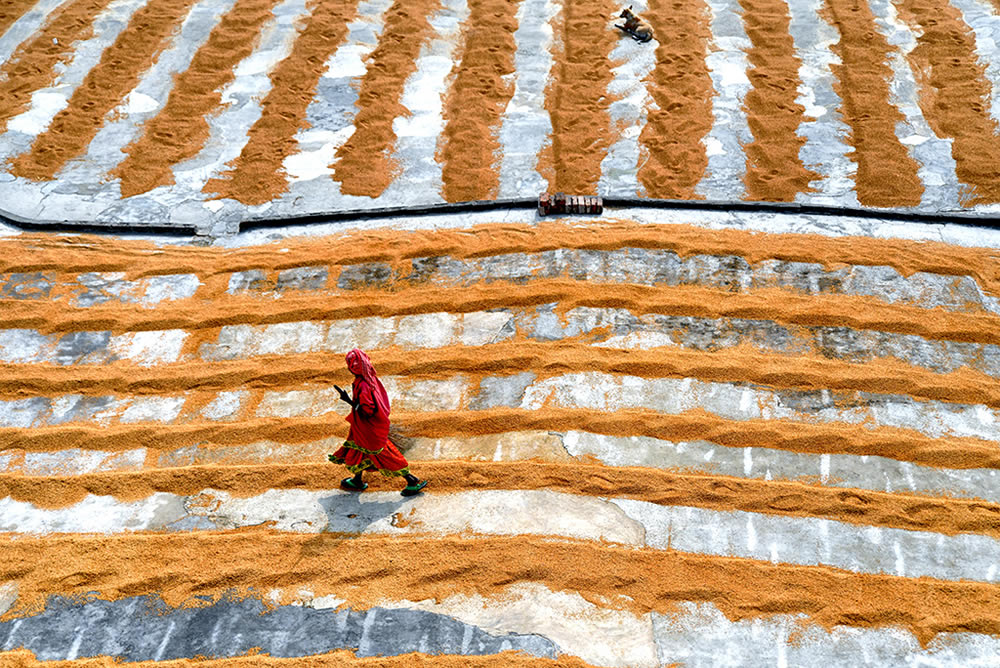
(365, 402)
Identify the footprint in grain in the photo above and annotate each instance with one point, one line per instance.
(856, 503)
(924, 512)
(722, 487)
(787, 502)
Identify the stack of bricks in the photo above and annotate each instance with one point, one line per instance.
(563, 203)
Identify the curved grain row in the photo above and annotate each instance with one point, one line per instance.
(672, 155)
(105, 86)
(256, 176)
(806, 372)
(477, 98)
(637, 580)
(629, 265)
(337, 659)
(955, 94)
(31, 67)
(83, 254)
(887, 174)
(854, 312)
(179, 130)
(908, 511)
(577, 99)
(364, 164)
(794, 436)
(774, 170)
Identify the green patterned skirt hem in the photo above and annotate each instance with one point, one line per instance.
(366, 464)
(351, 445)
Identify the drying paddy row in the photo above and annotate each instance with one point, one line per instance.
(131, 109)
(634, 433)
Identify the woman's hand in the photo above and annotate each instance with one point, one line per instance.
(344, 396)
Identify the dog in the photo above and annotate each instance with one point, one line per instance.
(635, 27)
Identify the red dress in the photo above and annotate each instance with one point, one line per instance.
(368, 447)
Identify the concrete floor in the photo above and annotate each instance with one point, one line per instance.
(528, 615)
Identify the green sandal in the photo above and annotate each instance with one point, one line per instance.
(411, 490)
(348, 483)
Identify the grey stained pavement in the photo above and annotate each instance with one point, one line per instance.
(144, 629)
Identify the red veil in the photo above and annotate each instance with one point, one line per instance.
(357, 360)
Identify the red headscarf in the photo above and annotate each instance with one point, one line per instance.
(359, 364)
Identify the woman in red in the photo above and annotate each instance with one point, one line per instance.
(368, 447)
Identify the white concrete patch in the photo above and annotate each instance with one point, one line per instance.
(19, 413)
(511, 513)
(79, 462)
(44, 107)
(637, 341)
(599, 636)
(727, 63)
(415, 395)
(700, 636)
(823, 128)
(298, 403)
(318, 147)
(628, 111)
(427, 330)
(149, 348)
(95, 514)
(8, 595)
(985, 23)
(101, 287)
(309, 164)
(423, 95)
(49, 101)
(283, 510)
(525, 126)
(153, 409)
(8, 231)
(168, 288)
(505, 446)
(226, 405)
(483, 327)
(340, 336)
(291, 337)
(812, 541)
(844, 471)
(607, 392)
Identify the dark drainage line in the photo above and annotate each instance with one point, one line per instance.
(903, 215)
(991, 221)
(82, 226)
(390, 212)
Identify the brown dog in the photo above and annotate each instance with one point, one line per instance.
(636, 28)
